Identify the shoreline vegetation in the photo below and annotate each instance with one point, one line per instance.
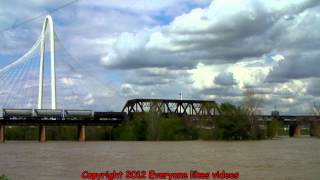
(233, 124)
(4, 177)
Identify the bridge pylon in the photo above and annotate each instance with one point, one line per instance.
(47, 22)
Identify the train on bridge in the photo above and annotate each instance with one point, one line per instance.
(60, 114)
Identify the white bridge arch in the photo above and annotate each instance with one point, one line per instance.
(47, 22)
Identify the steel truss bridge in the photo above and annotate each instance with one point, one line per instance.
(187, 108)
(198, 109)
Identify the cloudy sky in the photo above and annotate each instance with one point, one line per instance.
(205, 49)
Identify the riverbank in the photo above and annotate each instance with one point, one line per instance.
(68, 133)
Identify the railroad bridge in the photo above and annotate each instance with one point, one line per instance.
(295, 123)
(190, 110)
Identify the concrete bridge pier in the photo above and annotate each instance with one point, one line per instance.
(294, 130)
(2, 133)
(297, 132)
(42, 134)
(82, 133)
(315, 129)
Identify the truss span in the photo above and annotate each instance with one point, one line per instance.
(196, 108)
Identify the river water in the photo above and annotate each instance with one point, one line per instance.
(285, 158)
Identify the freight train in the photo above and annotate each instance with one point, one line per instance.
(60, 114)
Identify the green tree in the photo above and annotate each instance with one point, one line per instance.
(232, 124)
(123, 132)
(4, 177)
(153, 118)
(272, 128)
(140, 126)
(252, 104)
(173, 128)
(315, 126)
(135, 129)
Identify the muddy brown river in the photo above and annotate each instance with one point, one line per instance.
(285, 158)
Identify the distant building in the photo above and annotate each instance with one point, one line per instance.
(275, 113)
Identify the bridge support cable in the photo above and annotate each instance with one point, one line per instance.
(12, 78)
(17, 84)
(13, 86)
(23, 58)
(5, 75)
(78, 67)
(6, 78)
(30, 88)
(69, 86)
(25, 88)
(82, 84)
(8, 70)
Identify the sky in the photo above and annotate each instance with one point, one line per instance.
(208, 50)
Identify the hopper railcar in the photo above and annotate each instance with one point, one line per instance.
(74, 114)
(47, 114)
(60, 114)
(17, 114)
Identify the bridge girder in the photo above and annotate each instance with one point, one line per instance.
(186, 108)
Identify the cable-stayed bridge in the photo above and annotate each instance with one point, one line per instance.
(47, 76)
(47, 86)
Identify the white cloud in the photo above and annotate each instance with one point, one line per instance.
(203, 76)
(157, 49)
(68, 81)
(88, 99)
(278, 57)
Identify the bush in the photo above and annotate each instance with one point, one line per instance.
(123, 132)
(4, 177)
(232, 124)
(98, 132)
(205, 134)
(61, 132)
(272, 128)
(22, 133)
(135, 129)
(173, 128)
(149, 126)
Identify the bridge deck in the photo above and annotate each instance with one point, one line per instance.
(36, 122)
